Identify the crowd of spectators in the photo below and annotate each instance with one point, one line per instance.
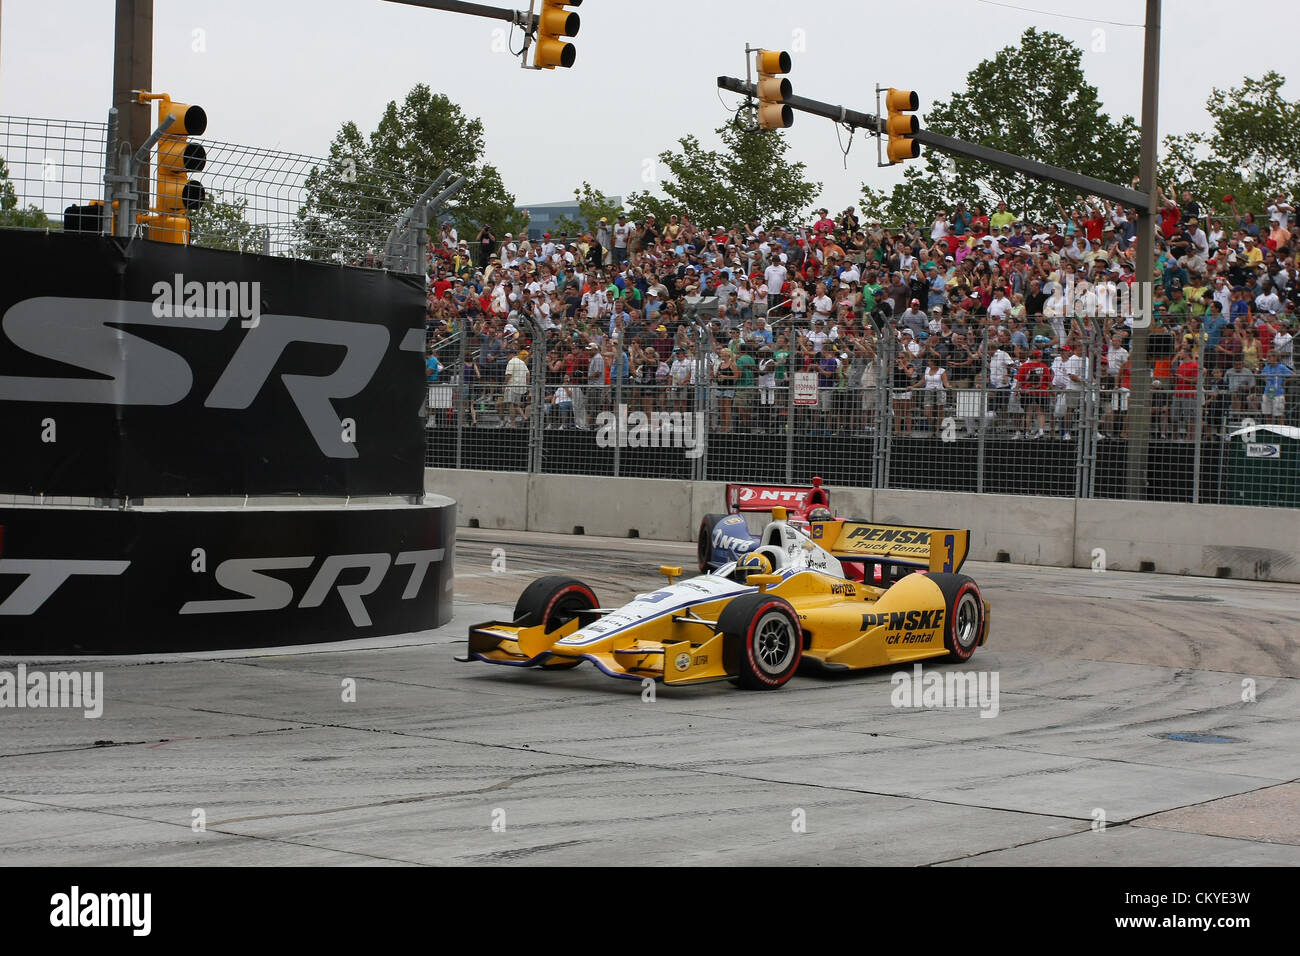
(1034, 315)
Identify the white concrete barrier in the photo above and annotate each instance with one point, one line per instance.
(1251, 543)
(653, 508)
(853, 502)
(707, 498)
(498, 499)
(1030, 530)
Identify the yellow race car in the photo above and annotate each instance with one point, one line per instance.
(798, 598)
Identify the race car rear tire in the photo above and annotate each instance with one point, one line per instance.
(762, 642)
(554, 601)
(963, 620)
(704, 541)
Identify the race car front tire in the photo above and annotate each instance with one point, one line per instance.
(554, 601)
(963, 629)
(762, 642)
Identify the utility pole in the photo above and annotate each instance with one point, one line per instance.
(1139, 412)
(133, 70)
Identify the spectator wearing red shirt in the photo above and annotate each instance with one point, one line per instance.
(1187, 372)
(1092, 226)
(1034, 388)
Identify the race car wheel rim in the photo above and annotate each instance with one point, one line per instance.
(967, 628)
(774, 643)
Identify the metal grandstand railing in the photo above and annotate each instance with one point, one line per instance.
(880, 416)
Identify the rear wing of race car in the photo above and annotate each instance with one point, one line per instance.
(932, 549)
(797, 500)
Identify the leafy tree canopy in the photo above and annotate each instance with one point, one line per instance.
(592, 205)
(749, 178)
(1251, 151)
(1031, 100)
(368, 182)
(30, 217)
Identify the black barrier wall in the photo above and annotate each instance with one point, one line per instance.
(149, 369)
(98, 581)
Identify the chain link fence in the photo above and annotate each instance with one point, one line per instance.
(258, 200)
(871, 408)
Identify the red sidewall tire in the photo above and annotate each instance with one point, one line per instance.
(741, 625)
(546, 597)
(957, 652)
(751, 640)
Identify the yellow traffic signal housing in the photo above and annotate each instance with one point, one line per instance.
(177, 195)
(553, 24)
(774, 90)
(901, 125)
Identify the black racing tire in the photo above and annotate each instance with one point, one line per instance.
(704, 541)
(762, 642)
(554, 601)
(963, 619)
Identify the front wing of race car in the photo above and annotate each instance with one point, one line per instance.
(651, 651)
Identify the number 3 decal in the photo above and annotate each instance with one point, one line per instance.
(949, 542)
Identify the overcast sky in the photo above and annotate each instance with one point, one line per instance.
(287, 73)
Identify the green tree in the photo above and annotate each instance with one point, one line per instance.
(1251, 151)
(30, 217)
(369, 182)
(221, 225)
(592, 205)
(1031, 100)
(750, 178)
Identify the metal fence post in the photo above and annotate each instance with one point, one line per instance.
(984, 386)
(790, 360)
(616, 381)
(1086, 451)
(703, 394)
(884, 407)
(466, 392)
(1199, 410)
(110, 148)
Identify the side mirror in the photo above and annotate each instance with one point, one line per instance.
(764, 581)
(670, 571)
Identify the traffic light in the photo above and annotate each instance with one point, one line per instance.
(774, 90)
(555, 23)
(901, 125)
(177, 195)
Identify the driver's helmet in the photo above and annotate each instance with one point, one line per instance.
(820, 513)
(753, 563)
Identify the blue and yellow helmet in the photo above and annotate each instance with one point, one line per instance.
(754, 563)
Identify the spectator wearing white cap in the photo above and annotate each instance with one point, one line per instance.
(913, 318)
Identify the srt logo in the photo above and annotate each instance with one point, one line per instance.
(243, 576)
(84, 333)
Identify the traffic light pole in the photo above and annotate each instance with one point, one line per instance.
(518, 17)
(1139, 416)
(1087, 185)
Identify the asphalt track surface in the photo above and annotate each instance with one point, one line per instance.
(438, 762)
